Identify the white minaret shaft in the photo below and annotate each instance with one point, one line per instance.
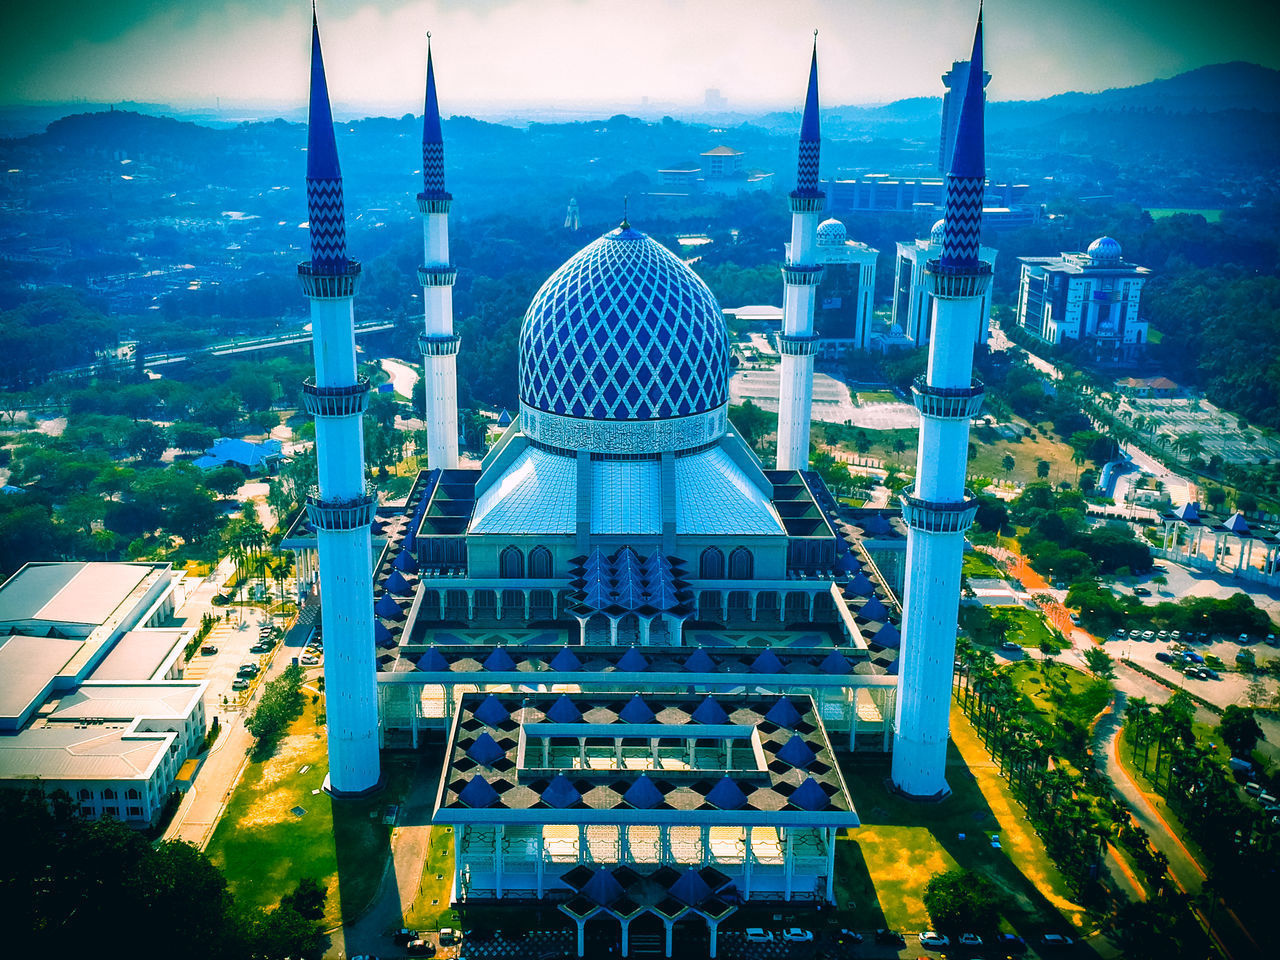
(801, 273)
(938, 509)
(343, 506)
(438, 343)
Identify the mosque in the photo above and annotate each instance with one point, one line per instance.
(643, 647)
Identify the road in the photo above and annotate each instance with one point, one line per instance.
(403, 377)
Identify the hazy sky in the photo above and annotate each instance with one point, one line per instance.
(492, 54)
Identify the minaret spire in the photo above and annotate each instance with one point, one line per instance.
(438, 343)
(937, 508)
(432, 137)
(810, 129)
(324, 177)
(801, 273)
(342, 508)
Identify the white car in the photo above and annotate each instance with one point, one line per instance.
(934, 940)
(759, 935)
(970, 940)
(796, 935)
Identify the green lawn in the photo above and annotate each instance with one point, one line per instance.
(264, 849)
(884, 865)
(430, 909)
(978, 564)
(1057, 690)
(876, 396)
(1028, 627)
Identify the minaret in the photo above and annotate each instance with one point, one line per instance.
(801, 273)
(438, 343)
(938, 509)
(342, 509)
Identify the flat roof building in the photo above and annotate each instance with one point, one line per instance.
(92, 699)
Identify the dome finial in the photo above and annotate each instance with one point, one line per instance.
(626, 223)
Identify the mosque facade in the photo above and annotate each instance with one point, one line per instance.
(643, 647)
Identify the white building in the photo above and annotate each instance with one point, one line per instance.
(912, 295)
(92, 700)
(1092, 296)
(843, 302)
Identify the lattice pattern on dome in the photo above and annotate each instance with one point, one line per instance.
(624, 331)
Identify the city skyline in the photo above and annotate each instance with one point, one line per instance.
(514, 54)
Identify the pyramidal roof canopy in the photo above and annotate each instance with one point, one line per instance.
(322, 148)
(969, 159)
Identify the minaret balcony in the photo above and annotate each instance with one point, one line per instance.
(439, 345)
(799, 275)
(339, 285)
(948, 282)
(797, 345)
(347, 401)
(434, 202)
(929, 516)
(807, 201)
(342, 514)
(437, 275)
(948, 403)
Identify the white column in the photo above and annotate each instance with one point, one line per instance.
(498, 836)
(457, 861)
(541, 857)
(831, 864)
(795, 386)
(748, 861)
(439, 345)
(788, 867)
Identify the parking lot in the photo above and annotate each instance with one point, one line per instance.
(233, 639)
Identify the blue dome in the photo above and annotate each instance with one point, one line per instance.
(624, 331)
(1104, 250)
(831, 233)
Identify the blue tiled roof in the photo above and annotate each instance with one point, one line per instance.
(624, 331)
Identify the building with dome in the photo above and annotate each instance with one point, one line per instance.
(1091, 297)
(912, 297)
(641, 646)
(844, 304)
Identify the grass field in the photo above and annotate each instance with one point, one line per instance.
(264, 848)
(876, 396)
(1028, 627)
(885, 864)
(430, 909)
(977, 564)
(988, 459)
(1058, 690)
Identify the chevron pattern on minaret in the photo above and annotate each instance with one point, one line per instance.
(433, 169)
(328, 226)
(962, 227)
(807, 173)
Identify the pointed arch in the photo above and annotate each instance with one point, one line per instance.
(742, 565)
(511, 564)
(711, 565)
(541, 566)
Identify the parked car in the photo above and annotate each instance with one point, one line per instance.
(759, 935)
(1176, 635)
(1148, 634)
(796, 935)
(890, 937)
(1135, 634)
(1055, 940)
(1011, 943)
(403, 936)
(970, 940)
(1193, 657)
(208, 650)
(1272, 640)
(1162, 635)
(239, 683)
(1164, 656)
(448, 935)
(1244, 638)
(248, 670)
(1120, 633)
(847, 937)
(933, 940)
(1010, 645)
(420, 948)
(1141, 592)
(1209, 674)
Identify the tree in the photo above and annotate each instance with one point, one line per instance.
(224, 480)
(1042, 469)
(190, 437)
(962, 900)
(1240, 730)
(281, 703)
(1008, 463)
(147, 441)
(1099, 663)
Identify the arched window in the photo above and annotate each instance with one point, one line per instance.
(711, 566)
(86, 794)
(539, 563)
(511, 564)
(108, 794)
(742, 565)
(133, 795)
